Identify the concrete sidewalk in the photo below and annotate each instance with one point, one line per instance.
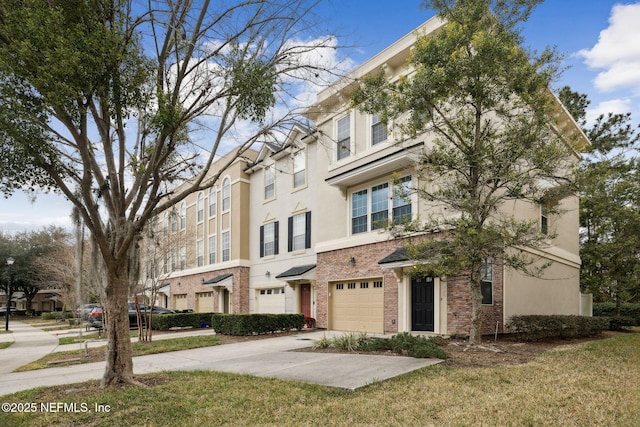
(269, 358)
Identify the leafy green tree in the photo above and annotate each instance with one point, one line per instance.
(116, 102)
(610, 204)
(483, 104)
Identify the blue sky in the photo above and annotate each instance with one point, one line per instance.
(600, 39)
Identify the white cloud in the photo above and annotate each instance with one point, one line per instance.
(615, 106)
(617, 51)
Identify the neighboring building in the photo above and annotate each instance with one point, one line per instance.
(361, 280)
(283, 234)
(300, 227)
(205, 258)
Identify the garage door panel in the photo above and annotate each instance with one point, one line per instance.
(271, 301)
(204, 302)
(357, 306)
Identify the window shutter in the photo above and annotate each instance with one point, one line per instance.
(276, 242)
(307, 230)
(290, 234)
(261, 241)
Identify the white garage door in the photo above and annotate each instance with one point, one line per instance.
(204, 302)
(357, 306)
(180, 301)
(271, 300)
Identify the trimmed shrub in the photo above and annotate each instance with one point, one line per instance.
(57, 315)
(539, 327)
(621, 323)
(403, 343)
(164, 322)
(252, 324)
(627, 311)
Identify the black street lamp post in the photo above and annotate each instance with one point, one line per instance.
(10, 261)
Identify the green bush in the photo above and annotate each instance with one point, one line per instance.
(621, 323)
(57, 315)
(403, 343)
(608, 309)
(251, 324)
(164, 322)
(540, 327)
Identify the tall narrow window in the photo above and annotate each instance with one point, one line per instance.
(269, 183)
(183, 257)
(378, 130)
(183, 216)
(226, 194)
(173, 260)
(299, 237)
(165, 222)
(174, 220)
(299, 168)
(200, 207)
(343, 137)
(212, 249)
(200, 252)
(402, 200)
(379, 206)
(226, 246)
(269, 239)
(486, 285)
(359, 212)
(544, 219)
(212, 201)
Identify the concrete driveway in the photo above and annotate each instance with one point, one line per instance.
(269, 358)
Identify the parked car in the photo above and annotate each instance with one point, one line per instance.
(84, 310)
(95, 318)
(12, 310)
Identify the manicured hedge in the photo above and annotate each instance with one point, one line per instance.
(629, 313)
(251, 324)
(164, 322)
(538, 327)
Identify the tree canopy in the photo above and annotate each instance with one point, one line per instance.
(609, 183)
(114, 103)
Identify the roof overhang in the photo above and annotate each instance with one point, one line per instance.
(302, 272)
(395, 161)
(223, 281)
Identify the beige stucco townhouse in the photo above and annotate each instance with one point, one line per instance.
(361, 280)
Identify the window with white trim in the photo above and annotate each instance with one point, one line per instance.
(183, 216)
(370, 207)
(544, 219)
(269, 239)
(343, 137)
(212, 249)
(183, 257)
(486, 284)
(379, 206)
(212, 201)
(226, 194)
(299, 232)
(299, 168)
(200, 252)
(378, 130)
(226, 246)
(200, 207)
(269, 182)
(402, 200)
(174, 220)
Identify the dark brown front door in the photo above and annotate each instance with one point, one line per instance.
(422, 312)
(305, 299)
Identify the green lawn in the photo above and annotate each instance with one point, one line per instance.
(5, 344)
(592, 384)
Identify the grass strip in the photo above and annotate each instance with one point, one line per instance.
(595, 384)
(139, 349)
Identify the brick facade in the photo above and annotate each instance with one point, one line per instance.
(334, 266)
(459, 304)
(192, 284)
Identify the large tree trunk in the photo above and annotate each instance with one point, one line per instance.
(119, 369)
(475, 333)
